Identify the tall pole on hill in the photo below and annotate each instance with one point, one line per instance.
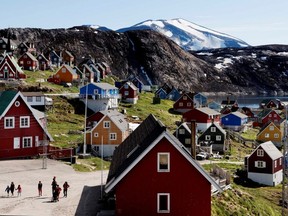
(86, 100)
(284, 183)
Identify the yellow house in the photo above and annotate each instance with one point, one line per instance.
(271, 132)
(66, 74)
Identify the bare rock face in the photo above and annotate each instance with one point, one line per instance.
(157, 60)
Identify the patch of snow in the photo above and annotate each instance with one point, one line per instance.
(282, 53)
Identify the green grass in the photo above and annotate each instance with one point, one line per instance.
(145, 106)
(90, 164)
(250, 134)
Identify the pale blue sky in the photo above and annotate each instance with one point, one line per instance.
(257, 22)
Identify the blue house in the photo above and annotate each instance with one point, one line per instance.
(200, 100)
(173, 95)
(234, 121)
(100, 96)
(55, 58)
(214, 105)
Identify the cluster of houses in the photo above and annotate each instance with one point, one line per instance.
(149, 154)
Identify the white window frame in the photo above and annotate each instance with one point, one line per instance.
(27, 124)
(38, 98)
(23, 142)
(113, 136)
(276, 135)
(260, 164)
(271, 128)
(280, 161)
(213, 129)
(11, 124)
(189, 104)
(29, 99)
(180, 104)
(218, 137)
(95, 134)
(168, 203)
(275, 163)
(159, 169)
(63, 70)
(106, 124)
(260, 152)
(126, 93)
(96, 91)
(181, 131)
(187, 141)
(266, 135)
(207, 137)
(184, 97)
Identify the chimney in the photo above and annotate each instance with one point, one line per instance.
(228, 100)
(193, 139)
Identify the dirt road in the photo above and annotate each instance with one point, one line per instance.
(82, 194)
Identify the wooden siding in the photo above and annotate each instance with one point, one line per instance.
(143, 182)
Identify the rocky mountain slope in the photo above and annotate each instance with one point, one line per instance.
(153, 57)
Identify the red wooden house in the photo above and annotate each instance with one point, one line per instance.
(67, 58)
(28, 62)
(268, 103)
(268, 115)
(44, 63)
(265, 165)
(26, 47)
(129, 92)
(184, 103)
(146, 171)
(22, 128)
(9, 69)
(203, 116)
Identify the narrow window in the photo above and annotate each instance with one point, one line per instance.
(207, 137)
(38, 98)
(27, 142)
(260, 152)
(9, 122)
(163, 162)
(180, 104)
(213, 129)
(113, 136)
(24, 122)
(163, 203)
(106, 124)
(29, 99)
(218, 138)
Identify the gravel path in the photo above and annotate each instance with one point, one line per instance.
(27, 173)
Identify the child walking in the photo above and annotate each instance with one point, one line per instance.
(19, 190)
(7, 190)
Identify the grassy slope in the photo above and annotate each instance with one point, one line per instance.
(240, 200)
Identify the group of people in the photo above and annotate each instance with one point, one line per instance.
(12, 188)
(56, 189)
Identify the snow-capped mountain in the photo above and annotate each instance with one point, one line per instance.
(188, 35)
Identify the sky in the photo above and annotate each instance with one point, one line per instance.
(257, 22)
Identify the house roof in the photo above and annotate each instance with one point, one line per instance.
(26, 94)
(266, 101)
(238, 114)
(130, 84)
(68, 53)
(43, 57)
(117, 118)
(264, 113)
(13, 61)
(106, 86)
(208, 111)
(32, 57)
(270, 149)
(5, 99)
(138, 144)
(69, 68)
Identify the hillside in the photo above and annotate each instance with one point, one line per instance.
(146, 53)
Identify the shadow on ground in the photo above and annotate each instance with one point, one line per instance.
(89, 202)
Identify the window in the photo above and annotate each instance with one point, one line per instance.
(218, 138)
(188, 104)
(9, 122)
(207, 137)
(266, 135)
(27, 142)
(275, 163)
(260, 164)
(260, 152)
(95, 91)
(275, 115)
(270, 115)
(163, 203)
(187, 141)
(38, 98)
(113, 136)
(29, 99)
(213, 129)
(163, 161)
(180, 104)
(95, 134)
(126, 93)
(24, 121)
(181, 131)
(280, 161)
(63, 70)
(106, 124)
(271, 128)
(126, 86)
(28, 62)
(276, 135)
(184, 97)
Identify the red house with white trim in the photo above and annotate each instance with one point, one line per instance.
(22, 128)
(265, 164)
(28, 62)
(204, 117)
(146, 173)
(129, 93)
(184, 103)
(9, 69)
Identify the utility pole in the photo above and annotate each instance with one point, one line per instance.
(284, 181)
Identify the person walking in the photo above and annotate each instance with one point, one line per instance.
(65, 188)
(40, 188)
(7, 190)
(19, 190)
(54, 185)
(12, 188)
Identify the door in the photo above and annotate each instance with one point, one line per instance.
(16, 142)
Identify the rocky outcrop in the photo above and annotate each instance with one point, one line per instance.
(156, 59)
